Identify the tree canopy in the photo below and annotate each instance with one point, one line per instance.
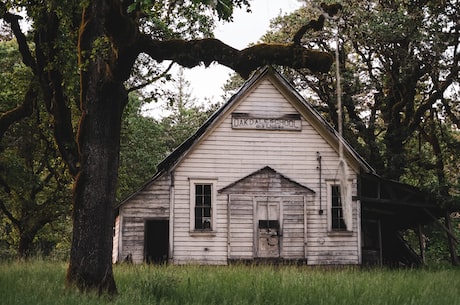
(146, 141)
(35, 188)
(102, 41)
(399, 65)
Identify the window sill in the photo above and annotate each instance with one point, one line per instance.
(339, 233)
(203, 233)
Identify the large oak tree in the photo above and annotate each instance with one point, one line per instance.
(109, 36)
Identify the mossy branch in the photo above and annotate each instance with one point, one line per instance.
(191, 53)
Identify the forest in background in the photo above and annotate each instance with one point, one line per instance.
(399, 63)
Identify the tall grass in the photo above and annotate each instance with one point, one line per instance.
(42, 282)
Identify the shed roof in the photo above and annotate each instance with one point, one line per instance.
(401, 205)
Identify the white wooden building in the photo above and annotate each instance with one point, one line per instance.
(262, 179)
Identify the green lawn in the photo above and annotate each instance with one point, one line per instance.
(42, 282)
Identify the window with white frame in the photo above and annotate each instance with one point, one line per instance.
(202, 201)
(337, 217)
(339, 206)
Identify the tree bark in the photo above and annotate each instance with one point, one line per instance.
(26, 239)
(450, 241)
(24, 245)
(102, 103)
(191, 53)
(90, 265)
(24, 110)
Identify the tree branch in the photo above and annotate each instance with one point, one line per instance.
(51, 85)
(21, 39)
(191, 53)
(24, 110)
(51, 82)
(8, 214)
(317, 25)
(151, 80)
(128, 42)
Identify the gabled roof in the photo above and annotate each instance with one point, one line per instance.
(269, 177)
(283, 85)
(286, 88)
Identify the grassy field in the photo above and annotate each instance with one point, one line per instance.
(42, 282)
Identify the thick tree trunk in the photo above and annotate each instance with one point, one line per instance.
(24, 245)
(450, 241)
(102, 102)
(394, 154)
(94, 194)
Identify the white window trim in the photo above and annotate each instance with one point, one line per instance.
(350, 222)
(193, 182)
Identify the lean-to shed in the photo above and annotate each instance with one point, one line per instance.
(262, 179)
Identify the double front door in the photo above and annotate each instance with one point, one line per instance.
(267, 226)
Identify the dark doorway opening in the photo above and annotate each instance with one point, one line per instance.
(371, 242)
(156, 243)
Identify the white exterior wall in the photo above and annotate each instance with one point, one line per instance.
(228, 154)
(152, 202)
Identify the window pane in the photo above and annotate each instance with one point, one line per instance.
(198, 189)
(203, 205)
(207, 200)
(335, 213)
(198, 223)
(336, 202)
(337, 221)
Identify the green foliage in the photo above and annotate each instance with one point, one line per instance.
(140, 149)
(223, 8)
(435, 241)
(35, 188)
(145, 141)
(232, 85)
(40, 282)
(185, 115)
(437, 251)
(14, 77)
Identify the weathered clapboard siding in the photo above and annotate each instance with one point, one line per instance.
(265, 185)
(230, 154)
(256, 175)
(133, 238)
(241, 226)
(151, 202)
(294, 230)
(325, 247)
